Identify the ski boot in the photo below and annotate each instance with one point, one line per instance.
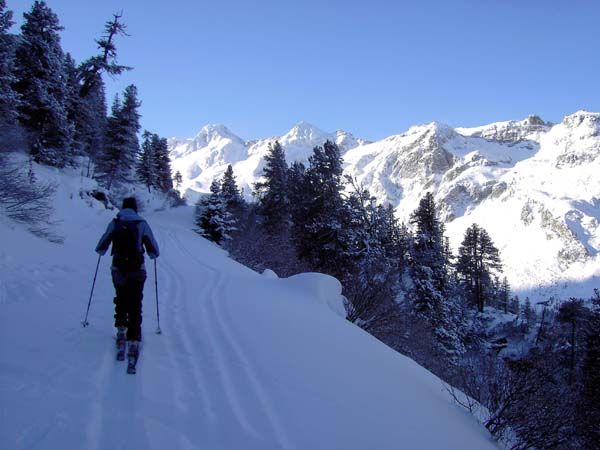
(121, 343)
(132, 356)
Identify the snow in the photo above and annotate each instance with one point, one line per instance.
(487, 175)
(245, 361)
(206, 156)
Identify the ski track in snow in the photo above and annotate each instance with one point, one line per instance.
(195, 388)
(213, 379)
(233, 380)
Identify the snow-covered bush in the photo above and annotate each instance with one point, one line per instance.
(25, 200)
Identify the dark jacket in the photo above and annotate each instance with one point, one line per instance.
(145, 237)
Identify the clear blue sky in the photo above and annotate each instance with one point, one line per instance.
(371, 67)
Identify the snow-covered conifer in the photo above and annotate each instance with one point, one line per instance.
(229, 189)
(73, 104)
(428, 257)
(589, 407)
(145, 164)
(162, 163)
(296, 182)
(87, 114)
(369, 269)
(9, 99)
(431, 299)
(121, 145)
(319, 235)
(515, 305)
(504, 295)
(91, 70)
(528, 313)
(273, 201)
(154, 164)
(213, 219)
(478, 261)
(41, 82)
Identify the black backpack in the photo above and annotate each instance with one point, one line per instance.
(126, 255)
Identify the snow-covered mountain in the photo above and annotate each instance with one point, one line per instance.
(207, 155)
(245, 361)
(533, 185)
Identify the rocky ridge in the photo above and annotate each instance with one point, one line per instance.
(533, 185)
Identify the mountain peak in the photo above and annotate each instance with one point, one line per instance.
(436, 130)
(215, 128)
(583, 117)
(306, 133)
(215, 132)
(305, 129)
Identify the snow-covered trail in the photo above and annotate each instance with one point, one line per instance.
(193, 388)
(244, 362)
(214, 383)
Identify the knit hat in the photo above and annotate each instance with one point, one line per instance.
(130, 202)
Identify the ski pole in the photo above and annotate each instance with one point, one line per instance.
(85, 322)
(158, 330)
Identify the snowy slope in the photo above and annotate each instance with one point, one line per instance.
(245, 361)
(534, 186)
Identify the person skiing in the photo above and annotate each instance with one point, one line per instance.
(129, 234)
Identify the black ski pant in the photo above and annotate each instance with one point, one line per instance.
(129, 288)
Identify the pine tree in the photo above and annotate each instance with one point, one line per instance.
(154, 163)
(431, 299)
(162, 164)
(515, 305)
(121, 143)
(404, 244)
(41, 82)
(371, 265)
(428, 268)
(273, 201)
(9, 99)
(213, 219)
(478, 260)
(296, 184)
(574, 314)
(89, 118)
(229, 189)
(505, 295)
(145, 165)
(73, 103)
(91, 70)
(529, 314)
(589, 407)
(320, 237)
(108, 163)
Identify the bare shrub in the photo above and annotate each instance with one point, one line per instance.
(258, 249)
(526, 405)
(27, 201)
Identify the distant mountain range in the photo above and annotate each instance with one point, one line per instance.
(534, 186)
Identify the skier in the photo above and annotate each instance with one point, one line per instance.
(129, 234)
